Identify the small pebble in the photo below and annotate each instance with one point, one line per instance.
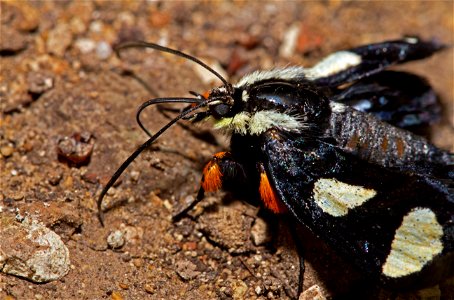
(123, 286)
(126, 257)
(103, 50)
(6, 151)
(116, 296)
(137, 262)
(135, 175)
(90, 178)
(260, 232)
(312, 293)
(19, 195)
(27, 17)
(258, 290)
(116, 239)
(8, 201)
(59, 39)
(187, 270)
(54, 177)
(77, 25)
(39, 82)
(96, 26)
(149, 288)
(85, 45)
(77, 149)
(12, 41)
(239, 289)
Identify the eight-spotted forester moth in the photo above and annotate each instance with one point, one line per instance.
(331, 146)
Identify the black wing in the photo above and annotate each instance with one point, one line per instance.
(371, 59)
(367, 212)
(402, 99)
(357, 77)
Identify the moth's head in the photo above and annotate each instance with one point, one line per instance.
(258, 103)
(222, 102)
(281, 99)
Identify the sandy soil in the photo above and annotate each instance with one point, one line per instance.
(62, 87)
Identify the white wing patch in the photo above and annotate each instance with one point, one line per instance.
(332, 64)
(290, 73)
(337, 107)
(416, 242)
(337, 198)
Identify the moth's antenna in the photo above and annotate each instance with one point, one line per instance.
(138, 44)
(139, 150)
(157, 101)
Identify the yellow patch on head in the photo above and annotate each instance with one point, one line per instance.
(416, 242)
(237, 123)
(336, 198)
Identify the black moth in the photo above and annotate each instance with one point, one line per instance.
(331, 146)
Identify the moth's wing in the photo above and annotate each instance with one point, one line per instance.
(354, 64)
(396, 226)
(402, 99)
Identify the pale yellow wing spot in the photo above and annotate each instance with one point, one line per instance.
(337, 198)
(416, 242)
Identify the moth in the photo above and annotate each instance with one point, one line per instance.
(332, 146)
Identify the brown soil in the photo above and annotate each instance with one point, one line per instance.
(61, 87)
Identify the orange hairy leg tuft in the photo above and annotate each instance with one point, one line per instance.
(212, 175)
(269, 197)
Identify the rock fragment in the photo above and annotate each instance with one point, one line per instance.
(59, 39)
(11, 41)
(229, 228)
(116, 239)
(31, 250)
(39, 82)
(77, 149)
(187, 270)
(261, 232)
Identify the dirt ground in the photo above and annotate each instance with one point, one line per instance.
(62, 89)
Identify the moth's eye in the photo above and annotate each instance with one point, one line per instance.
(219, 110)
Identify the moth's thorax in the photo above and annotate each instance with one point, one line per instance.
(256, 107)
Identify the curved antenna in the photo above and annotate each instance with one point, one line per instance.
(158, 101)
(136, 153)
(143, 44)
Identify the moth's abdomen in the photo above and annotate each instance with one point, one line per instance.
(378, 142)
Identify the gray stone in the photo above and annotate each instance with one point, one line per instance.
(116, 239)
(31, 250)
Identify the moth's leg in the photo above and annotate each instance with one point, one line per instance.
(353, 64)
(220, 171)
(267, 192)
(401, 99)
(300, 250)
